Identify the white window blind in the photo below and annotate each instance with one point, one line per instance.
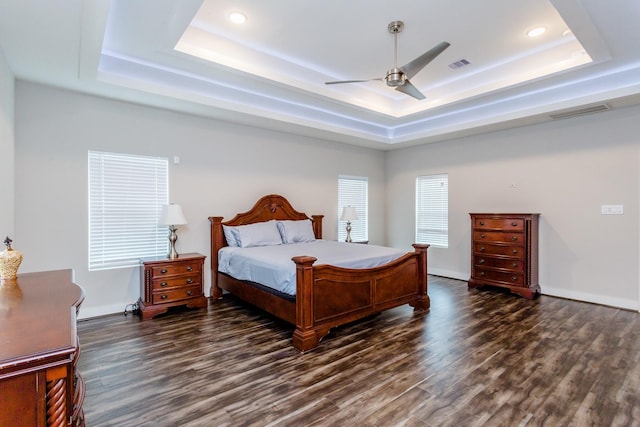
(126, 195)
(432, 210)
(354, 191)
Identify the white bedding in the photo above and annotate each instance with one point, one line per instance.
(272, 265)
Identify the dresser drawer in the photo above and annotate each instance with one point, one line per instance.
(504, 224)
(511, 278)
(175, 268)
(501, 263)
(161, 283)
(509, 251)
(176, 294)
(498, 236)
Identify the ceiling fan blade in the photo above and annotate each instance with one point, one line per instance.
(349, 81)
(410, 89)
(413, 67)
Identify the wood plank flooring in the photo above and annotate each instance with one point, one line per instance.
(477, 358)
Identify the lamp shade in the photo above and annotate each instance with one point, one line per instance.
(349, 214)
(172, 215)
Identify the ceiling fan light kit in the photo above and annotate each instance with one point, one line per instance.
(398, 77)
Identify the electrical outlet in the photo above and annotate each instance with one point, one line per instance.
(612, 209)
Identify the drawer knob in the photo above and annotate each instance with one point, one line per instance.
(482, 249)
(515, 251)
(514, 238)
(163, 297)
(514, 278)
(189, 280)
(481, 222)
(482, 273)
(482, 261)
(163, 271)
(163, 284)
(514, 264)
(189, 293)
(482, 236)
(514, 224)
(189, 268)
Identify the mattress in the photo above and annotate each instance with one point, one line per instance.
(272, 265)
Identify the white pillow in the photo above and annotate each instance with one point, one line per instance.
(230, 235)
(296, 231)
(258, 234)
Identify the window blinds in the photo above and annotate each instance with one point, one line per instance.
(432, 210)
(126, 195)
(354, 191)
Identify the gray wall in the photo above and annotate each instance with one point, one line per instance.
(564, 170)
(224, 168)
(7, 150)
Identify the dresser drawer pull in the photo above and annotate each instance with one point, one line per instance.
(189, 293)
(481, 273)
(481, 222)
(482, 249)
(163, 297)
(189, 268)
(189, 280)
(514, 264)
(515, 251)
(482, 261)
(514, 224)
(482, 236)
(514, 238)
(514, 278)
(163, 284)
(163, 271)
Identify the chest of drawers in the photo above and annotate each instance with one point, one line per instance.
(504, 252)
(168, 283)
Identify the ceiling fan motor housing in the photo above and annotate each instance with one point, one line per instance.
(395, 77)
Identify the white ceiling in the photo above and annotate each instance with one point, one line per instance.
(269, 72)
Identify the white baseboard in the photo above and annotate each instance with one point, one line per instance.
(595, 299)
(103, 310)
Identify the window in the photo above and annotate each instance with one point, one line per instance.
(354, 191)
(126, 195)
(432, 210)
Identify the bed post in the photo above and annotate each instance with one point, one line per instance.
(317, 225)
(423, 302)
(217, 242)
(304, 337)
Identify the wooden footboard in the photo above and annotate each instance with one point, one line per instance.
(328, 296)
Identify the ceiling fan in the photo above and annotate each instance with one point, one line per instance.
(398, 77)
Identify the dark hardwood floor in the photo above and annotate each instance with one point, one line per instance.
(477, 358)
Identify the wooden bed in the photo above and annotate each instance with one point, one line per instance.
(326, 296)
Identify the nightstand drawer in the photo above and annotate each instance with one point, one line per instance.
(176, 294)
(161, 283)
(175, 268)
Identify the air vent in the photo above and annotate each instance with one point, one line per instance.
(580, 111)
(459, 64)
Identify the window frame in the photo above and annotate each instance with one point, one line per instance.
(432, 210)
(354, 191)
(126, 193)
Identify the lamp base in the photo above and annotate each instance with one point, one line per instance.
(172, 240)
(348, 239)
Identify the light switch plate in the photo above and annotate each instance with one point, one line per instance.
(612, 209)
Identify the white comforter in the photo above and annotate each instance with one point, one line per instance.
(272, 266)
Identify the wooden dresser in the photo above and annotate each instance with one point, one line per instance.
(171, 282)
(504, 252)
(39, 350)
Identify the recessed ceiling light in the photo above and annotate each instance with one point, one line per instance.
(538, 31)
(237, 17)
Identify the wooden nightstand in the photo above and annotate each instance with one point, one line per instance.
(171, 282)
